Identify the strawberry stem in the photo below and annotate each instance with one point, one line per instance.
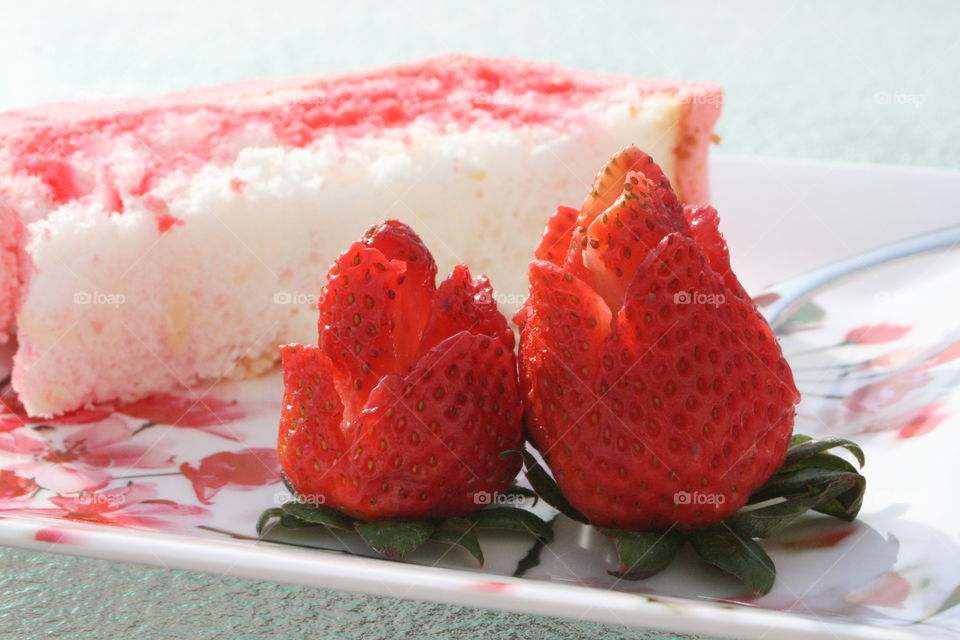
(148, 475)
(826, 396)
(397, 539)
(145, 425)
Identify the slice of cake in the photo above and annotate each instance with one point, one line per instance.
(149, 244)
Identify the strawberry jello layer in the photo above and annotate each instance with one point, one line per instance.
(148, 244)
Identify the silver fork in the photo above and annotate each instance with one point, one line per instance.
(796, 291)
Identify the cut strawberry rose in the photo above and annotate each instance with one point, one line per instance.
(403, 408)
(655, 391)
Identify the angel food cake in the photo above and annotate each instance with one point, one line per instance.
(148, 244)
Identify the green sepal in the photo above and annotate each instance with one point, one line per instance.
(546, 487)
(290, 522)
(642, 553)
(738, 555)
(395, 539)
(813, 481)
(803, 450)
(460, 532)
(799, 438)
(824, 461)
(801, 482)
(512, 519)
(846, 506)
(808, 472)
(266, 517)
(318, 514)
(765, 521)
(516, 490)
(286, 483)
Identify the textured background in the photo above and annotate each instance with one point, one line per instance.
(855, 81)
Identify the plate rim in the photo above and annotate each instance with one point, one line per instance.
(373, 576)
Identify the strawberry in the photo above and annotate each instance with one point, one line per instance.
(646, 371)
(705, 228)
(402, 409)
(556, 237)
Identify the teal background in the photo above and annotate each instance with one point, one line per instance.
(851, 81)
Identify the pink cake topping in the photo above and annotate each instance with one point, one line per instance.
(60, 144)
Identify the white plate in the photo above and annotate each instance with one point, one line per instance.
(187, 496)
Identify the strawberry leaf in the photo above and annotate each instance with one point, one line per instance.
(804, 450)
(642, 553)
(801, 482)
(266, 517)
(512, 519)
(824, 461)
(765, 521)
(395, 539)
(516, 491)
(847, 505)
(460, 532)
(290, 522)
(738, 555)
(545, 486)
(798, 438)
(318, 514)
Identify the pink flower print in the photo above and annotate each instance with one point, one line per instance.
(923, 421)
(80, 463)
(14, 489)
(134, 506)
(242, 470)
(876, 333)
(886, 392)
(895, 358)
(950, 353)
(889, 590)
(207, 413)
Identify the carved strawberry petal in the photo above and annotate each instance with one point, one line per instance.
(555, 242)
(463, 303)
(371, 318)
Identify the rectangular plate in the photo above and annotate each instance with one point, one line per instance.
(180, 481)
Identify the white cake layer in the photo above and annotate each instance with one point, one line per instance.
(115, 309)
